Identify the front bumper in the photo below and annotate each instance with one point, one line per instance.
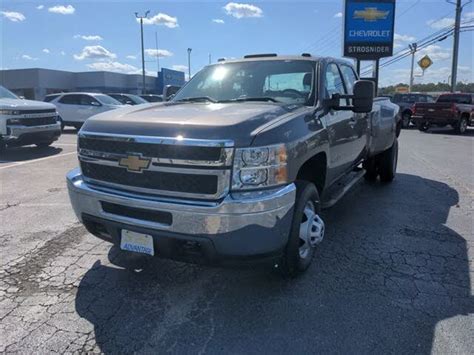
(241, 226)
(18, 135)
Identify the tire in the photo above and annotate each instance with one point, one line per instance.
(44, 144)
(371, 169)
(388, 162)
(62, 124)
(461, 126)
(298, 254)
(406, 118)
(423, 126)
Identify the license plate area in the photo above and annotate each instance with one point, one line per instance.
(136, 242)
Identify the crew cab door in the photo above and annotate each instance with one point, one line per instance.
(68, 107)
(340, 126)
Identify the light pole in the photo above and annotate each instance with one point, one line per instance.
(143, 48)
(189, 62)
(457, 23)
(413, 48)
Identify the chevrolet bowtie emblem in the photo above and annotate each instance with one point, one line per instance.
(371, 14)
(135, 163)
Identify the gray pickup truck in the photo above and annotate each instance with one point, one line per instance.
(237, 167)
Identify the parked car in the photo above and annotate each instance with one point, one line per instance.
(456, 110)
(152, 97)
(25, 122)
(406, 102)
(75, 108)
(237, 169)
(128, 99)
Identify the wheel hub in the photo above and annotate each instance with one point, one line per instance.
(312, 230)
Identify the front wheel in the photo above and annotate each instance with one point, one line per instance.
(307, 230)
(461, 126)
(406, 118)
(423, 126)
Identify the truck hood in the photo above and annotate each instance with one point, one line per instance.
(239, 122)
(17, 104)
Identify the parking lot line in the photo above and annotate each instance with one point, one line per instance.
(35, 160)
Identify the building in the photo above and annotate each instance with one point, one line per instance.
(35, 83)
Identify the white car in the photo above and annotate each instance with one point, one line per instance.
(25, 122)
(75, 108)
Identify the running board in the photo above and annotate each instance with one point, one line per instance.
(339, 189)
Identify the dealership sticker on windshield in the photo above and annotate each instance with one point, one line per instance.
(137, 242)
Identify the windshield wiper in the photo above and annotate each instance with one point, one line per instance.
(243, 99)
(197, 98)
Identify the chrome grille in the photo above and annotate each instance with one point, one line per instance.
(176, 167)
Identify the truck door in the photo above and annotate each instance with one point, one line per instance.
(359, 121)
(340, 127)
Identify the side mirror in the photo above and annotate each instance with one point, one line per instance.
(96, 104)
(363, 97)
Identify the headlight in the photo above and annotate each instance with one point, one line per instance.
(10, 112)
(259, 167)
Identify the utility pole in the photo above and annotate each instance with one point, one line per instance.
(413, 48)
(189, 62)
(143, 48)
(157, 56)
(457, 23)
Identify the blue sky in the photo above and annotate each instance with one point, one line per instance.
(97, 35)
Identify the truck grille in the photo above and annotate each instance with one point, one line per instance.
(28, 112)
(181, 168)
(39, 121)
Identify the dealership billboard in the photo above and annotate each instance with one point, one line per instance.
(368, 29)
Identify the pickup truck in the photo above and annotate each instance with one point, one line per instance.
(25, 122)
(456, 110)
(238, 165)
(407, 102)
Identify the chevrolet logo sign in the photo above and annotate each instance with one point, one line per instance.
(370, 14)
(135, 163)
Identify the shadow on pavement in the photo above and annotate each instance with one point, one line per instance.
(387, 273)
(450, 132)
(28, 153)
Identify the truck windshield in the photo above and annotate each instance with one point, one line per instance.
(286, 81)
(458, 99)
(6, 94)
(107, 100)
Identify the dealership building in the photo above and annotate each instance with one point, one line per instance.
(35, 83)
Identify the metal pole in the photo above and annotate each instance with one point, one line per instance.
(413, 48)
(376, 77)
(143, 48)
(189, 62)
(157, 56)
(454, 68)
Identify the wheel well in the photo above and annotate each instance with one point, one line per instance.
(466, 115)
(314, 170)
(407, 111)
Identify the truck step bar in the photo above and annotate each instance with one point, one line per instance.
(339, 189)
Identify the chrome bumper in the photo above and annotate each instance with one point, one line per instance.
(17, 131)
(241, 224)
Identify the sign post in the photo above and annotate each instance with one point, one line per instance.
(368, 30)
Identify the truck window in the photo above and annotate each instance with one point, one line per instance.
(349, 77)
(333, 83)
(70, 99)
(458, 99)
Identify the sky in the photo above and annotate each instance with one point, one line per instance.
(105, 35)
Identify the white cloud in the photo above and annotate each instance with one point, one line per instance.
(180, 67)
(113, 66)
(440, 24)
(218, 20)
(89, 37)
(63, 53)
(46, 50)
(403, 38)
(133, 57)
(63, 10)
(436, 53)
(338, 15)
(468, 16)
(161, 53)
(28, 57)
(239, 10)
(161, 19)
(94, 52)
(40, 7)
(13, 16)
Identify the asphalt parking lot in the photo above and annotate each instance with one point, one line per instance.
(394, 273)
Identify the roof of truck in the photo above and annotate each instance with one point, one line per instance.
(272, 56)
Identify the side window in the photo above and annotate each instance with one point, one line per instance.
(89, 101)
(429, 99)
(70, 99)
(421, 99)
(333, 81)
(349, 77)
